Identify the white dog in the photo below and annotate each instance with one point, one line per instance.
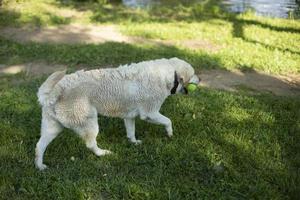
(73, 101)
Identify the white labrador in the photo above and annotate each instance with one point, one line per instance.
(73, 101)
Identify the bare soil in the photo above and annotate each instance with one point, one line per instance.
(76, 33)
(251, 81)
(65, 34)
(31, 69)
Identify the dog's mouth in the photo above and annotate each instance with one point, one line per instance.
(184, 90)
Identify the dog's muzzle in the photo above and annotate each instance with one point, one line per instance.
(194, 80)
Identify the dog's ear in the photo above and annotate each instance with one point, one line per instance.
(181, 80)
(175, 83)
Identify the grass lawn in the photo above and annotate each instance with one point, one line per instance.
(235, 147)
(242, 41)
(225, 145)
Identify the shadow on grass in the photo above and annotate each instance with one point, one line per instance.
(238, 146)
(185, 166)
(271, 46)
(238, 31)
(167, 12)
(250, 135)
(243, 22)
(15, 18)
(192, 12)
(113, 54)
(116, 13)
(253, 140)
(106, 54)
(181, 11)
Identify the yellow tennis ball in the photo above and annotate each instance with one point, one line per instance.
(191, 87)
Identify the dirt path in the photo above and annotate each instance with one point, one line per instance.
(65, 34)
(84, 34)
(252, 82)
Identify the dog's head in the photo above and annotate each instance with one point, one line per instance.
(184, 74)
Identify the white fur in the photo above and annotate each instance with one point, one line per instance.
(74, 100)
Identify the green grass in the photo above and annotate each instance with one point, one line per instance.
(236, 41)
(235, 147)
(225, 146)
(107, 54)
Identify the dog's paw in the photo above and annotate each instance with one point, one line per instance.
(170, 135)
(102, 152)
(106, 152)
(137, 142)
(41, 167)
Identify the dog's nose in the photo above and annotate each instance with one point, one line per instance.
(195, 79)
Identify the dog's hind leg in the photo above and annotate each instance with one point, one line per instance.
(89, 131)
(158, 118)
(49, 130)
(130, 129)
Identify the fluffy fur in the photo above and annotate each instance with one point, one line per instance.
(73, 101)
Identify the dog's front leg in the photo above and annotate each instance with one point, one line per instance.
(158, 118)
(130, 129)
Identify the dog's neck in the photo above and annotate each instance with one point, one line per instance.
(175, 84)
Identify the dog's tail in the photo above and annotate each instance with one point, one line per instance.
(47, 94)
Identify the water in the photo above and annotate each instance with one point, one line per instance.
(272, 8)
(145, 3)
